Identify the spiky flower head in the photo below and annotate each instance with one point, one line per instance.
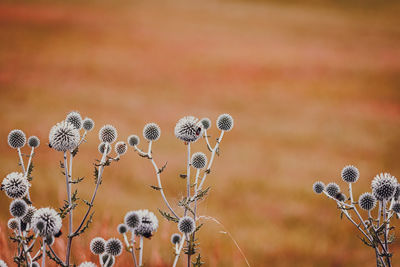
(75, 119)
(175, 238)
(206, 123)
(133, 140)
(29, 215)
(88, 124)
(332, 189)
(49, 240)
(122, 228)
(18, 208)
(397, 192)
(3, 264)
(120, 148)
(189, 129)
(107, 258)
(64, 136)
(199, 160)
(13, 224)
(108, 134)
(35, 264)
(15, 185)
(33, 141)
(132, 220)
(151, 131)
(225, 122)
(318, 187)
(16, 139)
(350, 174)
(396, 207)
(87, 264)
(46, 221)
(97, 245)
(114, 247)
(102, 147)
(186, 225)
(148, 223)
(340, 196)
(367, 201)
(384, 186)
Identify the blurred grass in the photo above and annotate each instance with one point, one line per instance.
(312, 86)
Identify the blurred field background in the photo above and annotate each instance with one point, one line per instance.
(312, 86)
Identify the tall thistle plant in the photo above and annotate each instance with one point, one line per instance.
(29, 224)
(188, 130)
(374, 228)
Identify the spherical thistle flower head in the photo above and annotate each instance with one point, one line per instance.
(49, 240)
(199, 160)
(225, 122)
(64, 136)
(397, 192)
(121, 148)
(318, 187)
(15, 185)
(87, 264)
(46, 221)
(97, 245)
(29, 215)
(206, 122)
(132, 220)
(384, 186)
(175, 238)
(122, 228)
(188, 129)
(367, 201)
(396, 207)
(35, 264)
(16, 139)
(332, 189)
(148, 224)
(151, 132)
(102, 147)
(104, 258)
(33, 141)
(18, 208)
(3, 264)
(75, 119)
(133, 140)
(108, 134)
(350, 174)
(114, 247)
(340, 196)
(88, 124)
(13, 224)
(186, 225)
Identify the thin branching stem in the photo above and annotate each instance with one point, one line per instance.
(179, 251)
(141, 252)
(43, 253)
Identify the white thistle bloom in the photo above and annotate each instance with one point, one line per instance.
(64, 136)
(148, 224)
(46, 221)
(189, 129)
(15, 185)
(384, 186)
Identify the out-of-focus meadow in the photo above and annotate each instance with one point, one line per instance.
(312, 87)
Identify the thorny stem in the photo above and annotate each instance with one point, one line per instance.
(44, 253)
(25, 171)
(208, 143)
(179, 251)
(55, 255)
(141, 252)
(68, 185)
(131, 247)
(188, 175)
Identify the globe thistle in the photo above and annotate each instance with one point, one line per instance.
(188, 129)
(108, 134)
(29, 215)
(132, 220)
(396, 207)
(318, 187)
(46, 222)
(384, 186)
(16, 139)
(225, 122)
(120, 148)
(35, 264)
(175, 239)
(18, 208)
(33, 141)
(15, 185)
(75, 119)
(397, 192)
(199, 160)
(122, 228)
(49, 240)
(367, 201)
(340, 196)
(13, 224)
(350, 174)
(151, 132)
(186, 225)
(148, 223)
(332, 189)
(88, 124)
(102, 146)
(3, 264)
(133, 140)
(87, 264)
(64, 137)
(206, 123)
(107, 258)
(114, 247)
(97, 245)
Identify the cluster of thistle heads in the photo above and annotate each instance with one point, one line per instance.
(385, 188)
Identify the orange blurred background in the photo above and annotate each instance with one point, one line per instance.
(312, 87)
